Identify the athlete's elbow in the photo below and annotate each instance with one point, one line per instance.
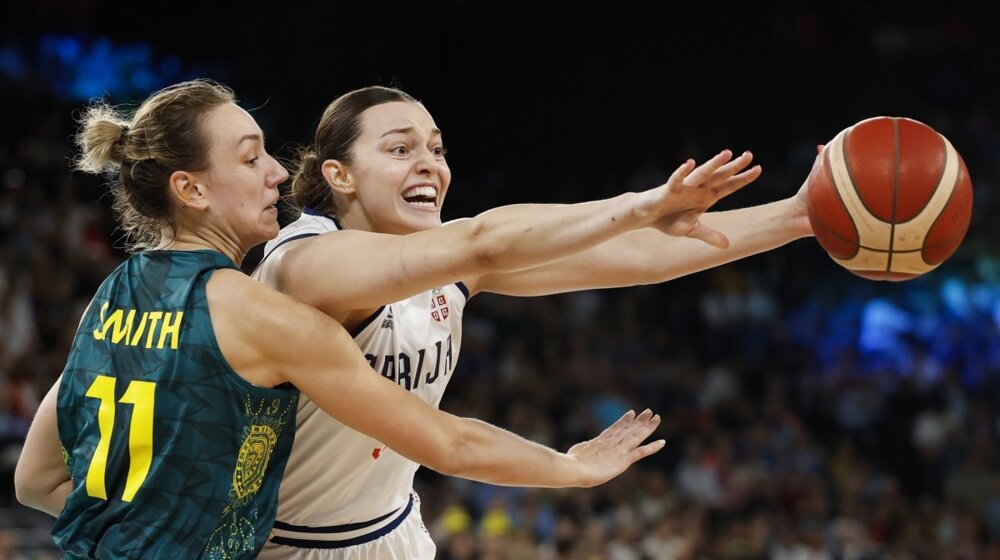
(449, 456)
(26, 489)
(35, 487)
(455, 463)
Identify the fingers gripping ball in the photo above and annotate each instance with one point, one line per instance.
(889, 198)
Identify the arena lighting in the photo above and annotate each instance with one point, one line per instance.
(948, 321)
(78, 69)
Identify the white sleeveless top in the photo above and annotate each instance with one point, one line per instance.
(335, 475)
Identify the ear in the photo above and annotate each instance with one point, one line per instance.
(187, 191)
(338, 176)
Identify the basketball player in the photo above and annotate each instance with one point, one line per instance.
(377, 169)
(167, 433)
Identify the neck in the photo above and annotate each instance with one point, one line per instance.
(185, 240)
(354, 218)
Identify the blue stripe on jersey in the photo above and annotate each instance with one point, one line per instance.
(335, 528)
(465, 290)
(307, 543)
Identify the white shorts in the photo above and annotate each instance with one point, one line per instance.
(403, 537)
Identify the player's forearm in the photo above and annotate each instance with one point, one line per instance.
(446, 443)
(527, 235)
(650, 256)
(493, 455)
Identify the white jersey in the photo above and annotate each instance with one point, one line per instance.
(338, 478)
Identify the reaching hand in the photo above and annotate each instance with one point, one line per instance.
(609, 454)
(675, 207)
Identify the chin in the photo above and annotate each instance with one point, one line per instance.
(424, 224)
(411, 224)
(267, 234)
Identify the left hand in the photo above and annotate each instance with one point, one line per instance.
(718, 177)
(619, 445)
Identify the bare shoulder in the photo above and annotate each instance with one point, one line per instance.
(251, 305)
(258, 328)
(232, 292)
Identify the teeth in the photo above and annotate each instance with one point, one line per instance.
(429, 192)
(420, 204)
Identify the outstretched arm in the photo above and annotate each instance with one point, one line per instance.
(355, 270)
(278, 340)
(41, 479)
(649, 256)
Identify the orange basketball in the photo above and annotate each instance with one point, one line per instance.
(889, 198)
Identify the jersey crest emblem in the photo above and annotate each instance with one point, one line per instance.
(439, 306)
(252, 461)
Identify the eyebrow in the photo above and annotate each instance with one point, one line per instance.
(407, 130)
(246, 137)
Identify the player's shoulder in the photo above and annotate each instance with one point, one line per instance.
(257, 328)
(232, 290)
(257, 324)
(255, 304)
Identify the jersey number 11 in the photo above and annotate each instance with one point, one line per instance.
(141, 395)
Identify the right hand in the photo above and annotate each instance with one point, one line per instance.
(609, 454)
(675, 207)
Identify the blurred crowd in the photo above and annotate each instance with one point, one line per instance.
(769, 455)
(782, 445)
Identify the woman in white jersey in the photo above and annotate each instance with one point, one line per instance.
(378, 170)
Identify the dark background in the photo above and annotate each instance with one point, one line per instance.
(579, 93)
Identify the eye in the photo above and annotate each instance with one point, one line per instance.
(253, 161)
(400, 150)
(440, 151)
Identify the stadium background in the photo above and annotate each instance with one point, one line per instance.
(808, 413)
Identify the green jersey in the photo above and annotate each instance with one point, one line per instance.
(171, 452)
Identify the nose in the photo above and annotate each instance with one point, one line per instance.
(278, 173)
(427, 164)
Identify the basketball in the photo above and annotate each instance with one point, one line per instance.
(889, 198)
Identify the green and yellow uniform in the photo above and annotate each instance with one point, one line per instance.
(171, 452)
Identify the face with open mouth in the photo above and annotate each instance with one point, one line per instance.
(398, 175)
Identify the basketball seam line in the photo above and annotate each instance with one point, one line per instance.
(937, 184)
(954, 190)
(895, 193)
(854, 183)
(843, 203)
